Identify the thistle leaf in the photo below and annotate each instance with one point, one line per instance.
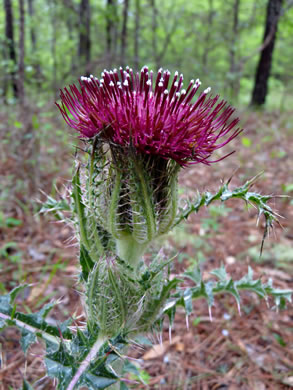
(87, 264)
(26, 386)
(56, 207)
(260, 202)
(224, 284)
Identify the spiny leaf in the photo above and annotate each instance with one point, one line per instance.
(31, 325)
(87, 264)
(225, 284)
(27, 339)
(26, 386)
(257, 200)
(56, 207)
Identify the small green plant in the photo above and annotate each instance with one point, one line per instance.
(138, 133)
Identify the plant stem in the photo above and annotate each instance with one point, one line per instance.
(32, 329)
(128, 249)
(89, 358)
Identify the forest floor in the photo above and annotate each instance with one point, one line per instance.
(251, 351)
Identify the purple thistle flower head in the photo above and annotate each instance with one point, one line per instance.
(151, 113)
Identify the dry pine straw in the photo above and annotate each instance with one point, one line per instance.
(241, 353)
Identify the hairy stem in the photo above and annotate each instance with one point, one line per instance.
(29, 328)
(128, 249)
(86, 362)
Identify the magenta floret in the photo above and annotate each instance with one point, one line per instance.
(155, 115)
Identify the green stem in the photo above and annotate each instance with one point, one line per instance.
(87, 361)
(114, 205)
(146, 200)
(129, 250)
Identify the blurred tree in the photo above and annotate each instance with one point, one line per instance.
(21, 68)
(35, 57)
(111, 31)
(72, 19)
(84, 48)
(154, 32)
(262, 75)
(136, 35)
(207, 48)
(234, 79)
(9, 35)
(53, 12)
(124, 32)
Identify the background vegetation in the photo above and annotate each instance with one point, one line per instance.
(239, 48)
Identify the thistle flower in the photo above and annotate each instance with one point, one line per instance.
(141, 130)
(154, 115)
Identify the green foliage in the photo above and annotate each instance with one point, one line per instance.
(225, 193)
(223, 284)
(82, 356)
(9, 222)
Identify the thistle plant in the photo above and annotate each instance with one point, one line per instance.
(139, 131)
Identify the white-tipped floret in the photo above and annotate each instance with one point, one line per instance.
(91, 76)
(96, 79)
(183, 92)
(114, 70)
(177, 94)
(176, 84)
(207, 90)
(160, 84)
(197, 84)
(101, 81)
(83, 78)
(181, 76)
(161, 80)
(149, 82)
(166, 92)
(176, 73)
(160, 70)
(111, 72)
(125, 83)
(103, 74)
(111, 84)
(192, 81)
(120, 68)
(127, 67)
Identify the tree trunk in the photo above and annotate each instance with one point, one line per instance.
(72, 24)
(154, 32)
(84, 48)
(206, 49)
(9, 34)
(136, 35)
(262, 75)
(53, 15)
(124, 32)
(234, 82)
(111, 32)
(21, 51)
(36, 63)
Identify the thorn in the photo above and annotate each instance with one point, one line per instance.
(170, 334)
(239, 308)
(210, 314)
(187, 322)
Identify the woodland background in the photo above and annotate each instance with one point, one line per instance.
(243, 49)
